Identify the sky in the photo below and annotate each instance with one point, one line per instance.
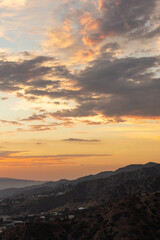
(79, 86)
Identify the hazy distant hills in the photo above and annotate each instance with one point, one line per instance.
(42, 188)
(89, 193)
(16, 183)
(132, 218)
(14, 187)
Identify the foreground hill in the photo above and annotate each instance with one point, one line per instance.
(61, 185)
(88, 193)
(133, 218)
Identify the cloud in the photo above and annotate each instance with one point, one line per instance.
(109, 87)
(35, 117)
(15, 158)
(127, 18)
(124, 87)
(15, 74)
(112, 46)
(4, 98)
(66, 35)
(9, 3)
(13, 154)
(43, 127)
(4, 154)
(81, 140)
(37, 77)
(60, 37)
(102, 76)
(10, 122)
(78, 34)
(38, 128)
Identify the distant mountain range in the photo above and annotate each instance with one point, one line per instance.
(12, 187)
(72, 194)
(17, 183)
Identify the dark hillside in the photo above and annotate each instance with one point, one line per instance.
(90, 193)
(133, 218)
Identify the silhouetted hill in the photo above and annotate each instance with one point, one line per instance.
(105, 174)
(133, 218)
(61, 185)
(89, 193)
(134, 167)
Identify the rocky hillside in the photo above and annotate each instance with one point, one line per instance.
(132, 218)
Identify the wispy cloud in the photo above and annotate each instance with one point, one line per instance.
(18, 158)
(4, 98)
(9, 3)
(10, 122)
(18, 155)
(81, 140)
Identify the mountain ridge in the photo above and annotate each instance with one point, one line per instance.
(88, 193)
(53, 185)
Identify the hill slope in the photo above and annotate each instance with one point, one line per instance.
(89, 193)
(61, 185)
(132, 218)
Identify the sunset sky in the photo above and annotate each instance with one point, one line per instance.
(79, 86)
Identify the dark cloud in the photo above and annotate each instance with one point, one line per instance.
(61, 71)
(31, 75)
(44, 83)
(128, 86)
(117, 88)
(118, 76)
(110, 46)
(108, 86)
(130, 18)
(84, 109)
(81, 140)
(54, 93)
(16, 74)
